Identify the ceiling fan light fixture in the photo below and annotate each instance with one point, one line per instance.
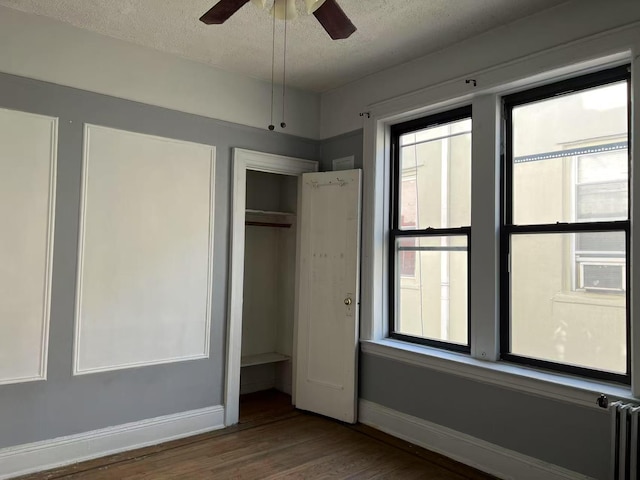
(313, 5)
(285, 9)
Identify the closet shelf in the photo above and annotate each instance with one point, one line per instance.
(263, 218)
(266, 212)
(262, 359)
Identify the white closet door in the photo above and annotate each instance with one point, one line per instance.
(327, 340)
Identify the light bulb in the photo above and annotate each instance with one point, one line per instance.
(260, 3)
(313, 5)
(285, 9)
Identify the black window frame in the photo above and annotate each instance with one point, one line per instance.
(396, 131)
(508, 228)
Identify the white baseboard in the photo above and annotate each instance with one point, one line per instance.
(38, 456)
(484, 456)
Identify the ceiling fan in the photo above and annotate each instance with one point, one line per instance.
(327, 12)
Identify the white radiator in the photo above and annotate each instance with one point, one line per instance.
(624, 441)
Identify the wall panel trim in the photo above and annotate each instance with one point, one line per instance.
(46, 294)
(77, 370)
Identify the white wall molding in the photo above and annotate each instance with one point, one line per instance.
(47, 454)
(271, 163)
(635, 225)
(528, 48)
(476, 453)
(49, 127)
(244, 160)
(527, 72)
(173, 349)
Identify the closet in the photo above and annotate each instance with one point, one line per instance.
(269, 282)
(293, 284)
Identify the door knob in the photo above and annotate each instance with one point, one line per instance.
(347, 301)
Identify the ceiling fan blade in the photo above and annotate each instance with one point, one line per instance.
(334, 20)
(221, 11)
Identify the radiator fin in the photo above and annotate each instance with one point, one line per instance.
(624, 441)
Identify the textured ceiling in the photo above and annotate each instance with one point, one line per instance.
(390, 32)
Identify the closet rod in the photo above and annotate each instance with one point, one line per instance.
(268, 224)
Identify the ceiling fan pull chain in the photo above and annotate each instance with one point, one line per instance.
(284, 68)
(273, 66)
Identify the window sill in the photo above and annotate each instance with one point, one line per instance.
(585, 298)
(544, 384)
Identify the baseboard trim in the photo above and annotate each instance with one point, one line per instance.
(57, 452)
(471, 451)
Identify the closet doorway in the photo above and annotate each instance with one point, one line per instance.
(262, 279)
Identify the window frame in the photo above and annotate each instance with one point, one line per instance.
(395, 232)
(508, 228)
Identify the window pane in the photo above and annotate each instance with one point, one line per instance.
(435, 132)
(603, 167)
(432, 303)
(435, 169)
(567, 307)
(409, 204)
(560, 146)
(602, 201)
(603, 243)
(407, 257)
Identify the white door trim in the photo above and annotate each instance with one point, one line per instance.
(244, 160)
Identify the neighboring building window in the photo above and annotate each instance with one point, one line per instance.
(431, 217)
(408, 221)
(602, 194)
(566, 226)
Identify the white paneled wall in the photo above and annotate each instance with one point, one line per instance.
(145, 252)
(28, 146)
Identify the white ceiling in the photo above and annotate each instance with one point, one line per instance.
(390, 32)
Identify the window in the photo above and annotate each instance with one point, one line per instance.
(566, 228)
(430, 218)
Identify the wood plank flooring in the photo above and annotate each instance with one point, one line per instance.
(274, 441)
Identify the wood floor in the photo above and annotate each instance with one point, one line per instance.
(273, 440)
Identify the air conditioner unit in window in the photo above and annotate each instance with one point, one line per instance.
(601, 276)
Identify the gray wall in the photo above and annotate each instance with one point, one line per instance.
(567, 435)
(570, 436)
(271, 192)
(342, 146)
(64, 404)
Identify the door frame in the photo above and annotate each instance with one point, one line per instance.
(244, 160)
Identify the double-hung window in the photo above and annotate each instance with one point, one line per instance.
(430, 229)
(566, 229)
